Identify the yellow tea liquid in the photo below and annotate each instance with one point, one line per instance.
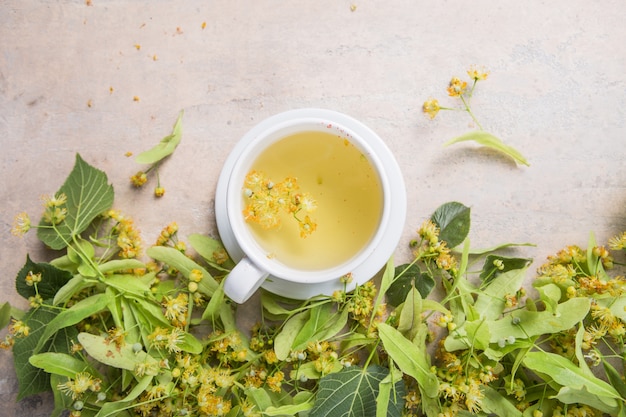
(348, 194)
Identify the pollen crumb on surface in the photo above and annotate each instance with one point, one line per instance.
(135, 98)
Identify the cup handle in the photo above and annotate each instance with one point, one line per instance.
(244, 279)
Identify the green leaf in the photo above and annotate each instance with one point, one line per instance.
(78, 312)
(410, 358)
(410, 314)
(284, 340)
(493, 402)
(120, 265)
(207, 247)
(566, 374)
(524, 324)
(71, 287)
(62, 402)
(614, 378)
(51, 280)
(352, 392)
(212, 310)
(33, 380)
(5, 315)
(491, 271)
(482, 251)
(407, 277)
(569, 395)
(58, 363)
(490, 141)
(164, 148)
(114, 408)
(121, 357)
(453, 220)
(182, 263)
(323, 323)
(491, 301)
(88, 195)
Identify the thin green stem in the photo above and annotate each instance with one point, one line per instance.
(469, 110)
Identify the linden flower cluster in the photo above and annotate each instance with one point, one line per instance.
(54, 214)
(266, 200)
(458, 88)
(430, 248)
(141, 177)
(569, 270)
(127, 236)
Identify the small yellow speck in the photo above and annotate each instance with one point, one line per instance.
(111, 90)
(203, 25)
(135, 98)
(137, 46)
(89, 103)
(128, 154)
(88, 3)
(353, 7)
(154, 57)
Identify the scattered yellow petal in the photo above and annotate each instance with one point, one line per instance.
(137, 46)
(353, 7)
(89, 103)
(110, 90)
(203, 25)
(154, 57)
(128, 154)
(136, 98)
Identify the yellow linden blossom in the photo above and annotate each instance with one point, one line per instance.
(139, 179)
(21, 224)
(618, 242)
(266, 200)
(457, 87)
(431, 107)
(176, 308)
(477, 73)
(18, 328)
(82, 382)
(54, 201)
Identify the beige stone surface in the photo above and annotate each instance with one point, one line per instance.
(110, 77)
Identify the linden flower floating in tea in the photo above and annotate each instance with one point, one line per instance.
(266, 200)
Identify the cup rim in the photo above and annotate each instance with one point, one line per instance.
(259, 142)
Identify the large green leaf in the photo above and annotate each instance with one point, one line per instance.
(88, 195)
(578, 385)
(410, 358)
(78, 312)
(52, 279)
(490, 141)
(31, 379)
(164, 148)
(121, 357)
(59, 363)
(352, 392)
(453, 220)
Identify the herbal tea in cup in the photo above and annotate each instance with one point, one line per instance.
(308, 197)
(312, 200)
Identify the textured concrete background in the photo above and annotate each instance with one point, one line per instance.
(70, 72)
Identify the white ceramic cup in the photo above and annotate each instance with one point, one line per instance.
(254, 268)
